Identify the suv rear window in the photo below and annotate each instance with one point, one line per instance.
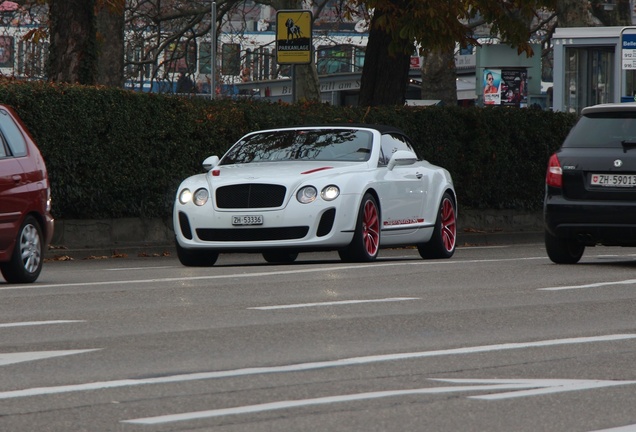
(607, 129)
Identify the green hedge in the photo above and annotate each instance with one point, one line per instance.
(114, 153)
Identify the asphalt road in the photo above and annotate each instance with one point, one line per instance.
(494, 339)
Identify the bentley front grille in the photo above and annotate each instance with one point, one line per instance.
(253, 195)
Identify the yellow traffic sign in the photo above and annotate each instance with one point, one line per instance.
(294, 37)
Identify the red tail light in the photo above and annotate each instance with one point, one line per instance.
(554, 174)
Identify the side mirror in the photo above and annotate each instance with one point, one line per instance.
(210, 162)
(401, 157)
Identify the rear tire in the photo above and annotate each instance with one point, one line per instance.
(443, 241)
(563, 251)
(196, 258)
(366, 240)
(27, 258)
(280, 257)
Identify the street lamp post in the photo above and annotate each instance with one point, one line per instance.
(213, 50)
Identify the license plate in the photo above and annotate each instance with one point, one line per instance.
(247, 220)
(613, 180)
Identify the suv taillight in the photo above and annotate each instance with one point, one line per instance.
(554, 174)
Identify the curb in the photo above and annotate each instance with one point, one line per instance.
(136, 237)
(165, 249)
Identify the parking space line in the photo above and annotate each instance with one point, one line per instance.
(317, 269)
(334, 303)
(299, 367)
(36, 323)
(587, 286)
(511, 388)
(627, 428)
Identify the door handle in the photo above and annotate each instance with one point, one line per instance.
(17, 178)
(419, 175)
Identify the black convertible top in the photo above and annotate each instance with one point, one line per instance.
(383, 129)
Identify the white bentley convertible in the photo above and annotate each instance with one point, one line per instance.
(352, 188)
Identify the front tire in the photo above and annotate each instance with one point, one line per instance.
(563, 251)
(366, 240)
(27, 258)
(443, 241)
(196, 258)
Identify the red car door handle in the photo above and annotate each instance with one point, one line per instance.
(17, 178)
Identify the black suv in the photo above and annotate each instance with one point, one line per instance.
(590, 196)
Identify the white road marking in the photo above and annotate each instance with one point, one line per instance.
(587, 286)
(539, 386)
(35, 323)
(468, 246)
(334, 303)
(12, 358)
(141, 268)
(628, 428)
(535, 387)
(352, 361)
(316, 269)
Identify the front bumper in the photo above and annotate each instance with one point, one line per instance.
(315, 226)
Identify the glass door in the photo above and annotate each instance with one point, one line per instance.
(588, 77)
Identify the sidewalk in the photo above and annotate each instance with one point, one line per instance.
(132, 237)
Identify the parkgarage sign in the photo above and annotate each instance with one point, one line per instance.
(294, 37)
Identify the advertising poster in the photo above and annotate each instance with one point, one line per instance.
(491, 85)
(514, 87)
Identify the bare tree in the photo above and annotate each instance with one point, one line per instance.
(574, 13)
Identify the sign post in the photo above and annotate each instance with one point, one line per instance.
(294, 44)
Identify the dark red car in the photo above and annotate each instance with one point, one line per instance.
(26, 224)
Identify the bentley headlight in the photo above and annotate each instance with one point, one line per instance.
(307, 194)
(330, 193)
(201, 196)
(185, 196)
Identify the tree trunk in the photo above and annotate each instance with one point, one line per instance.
(439, 74)
(306, 82)
(110, 43)
(72, 57)
(384, 74)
